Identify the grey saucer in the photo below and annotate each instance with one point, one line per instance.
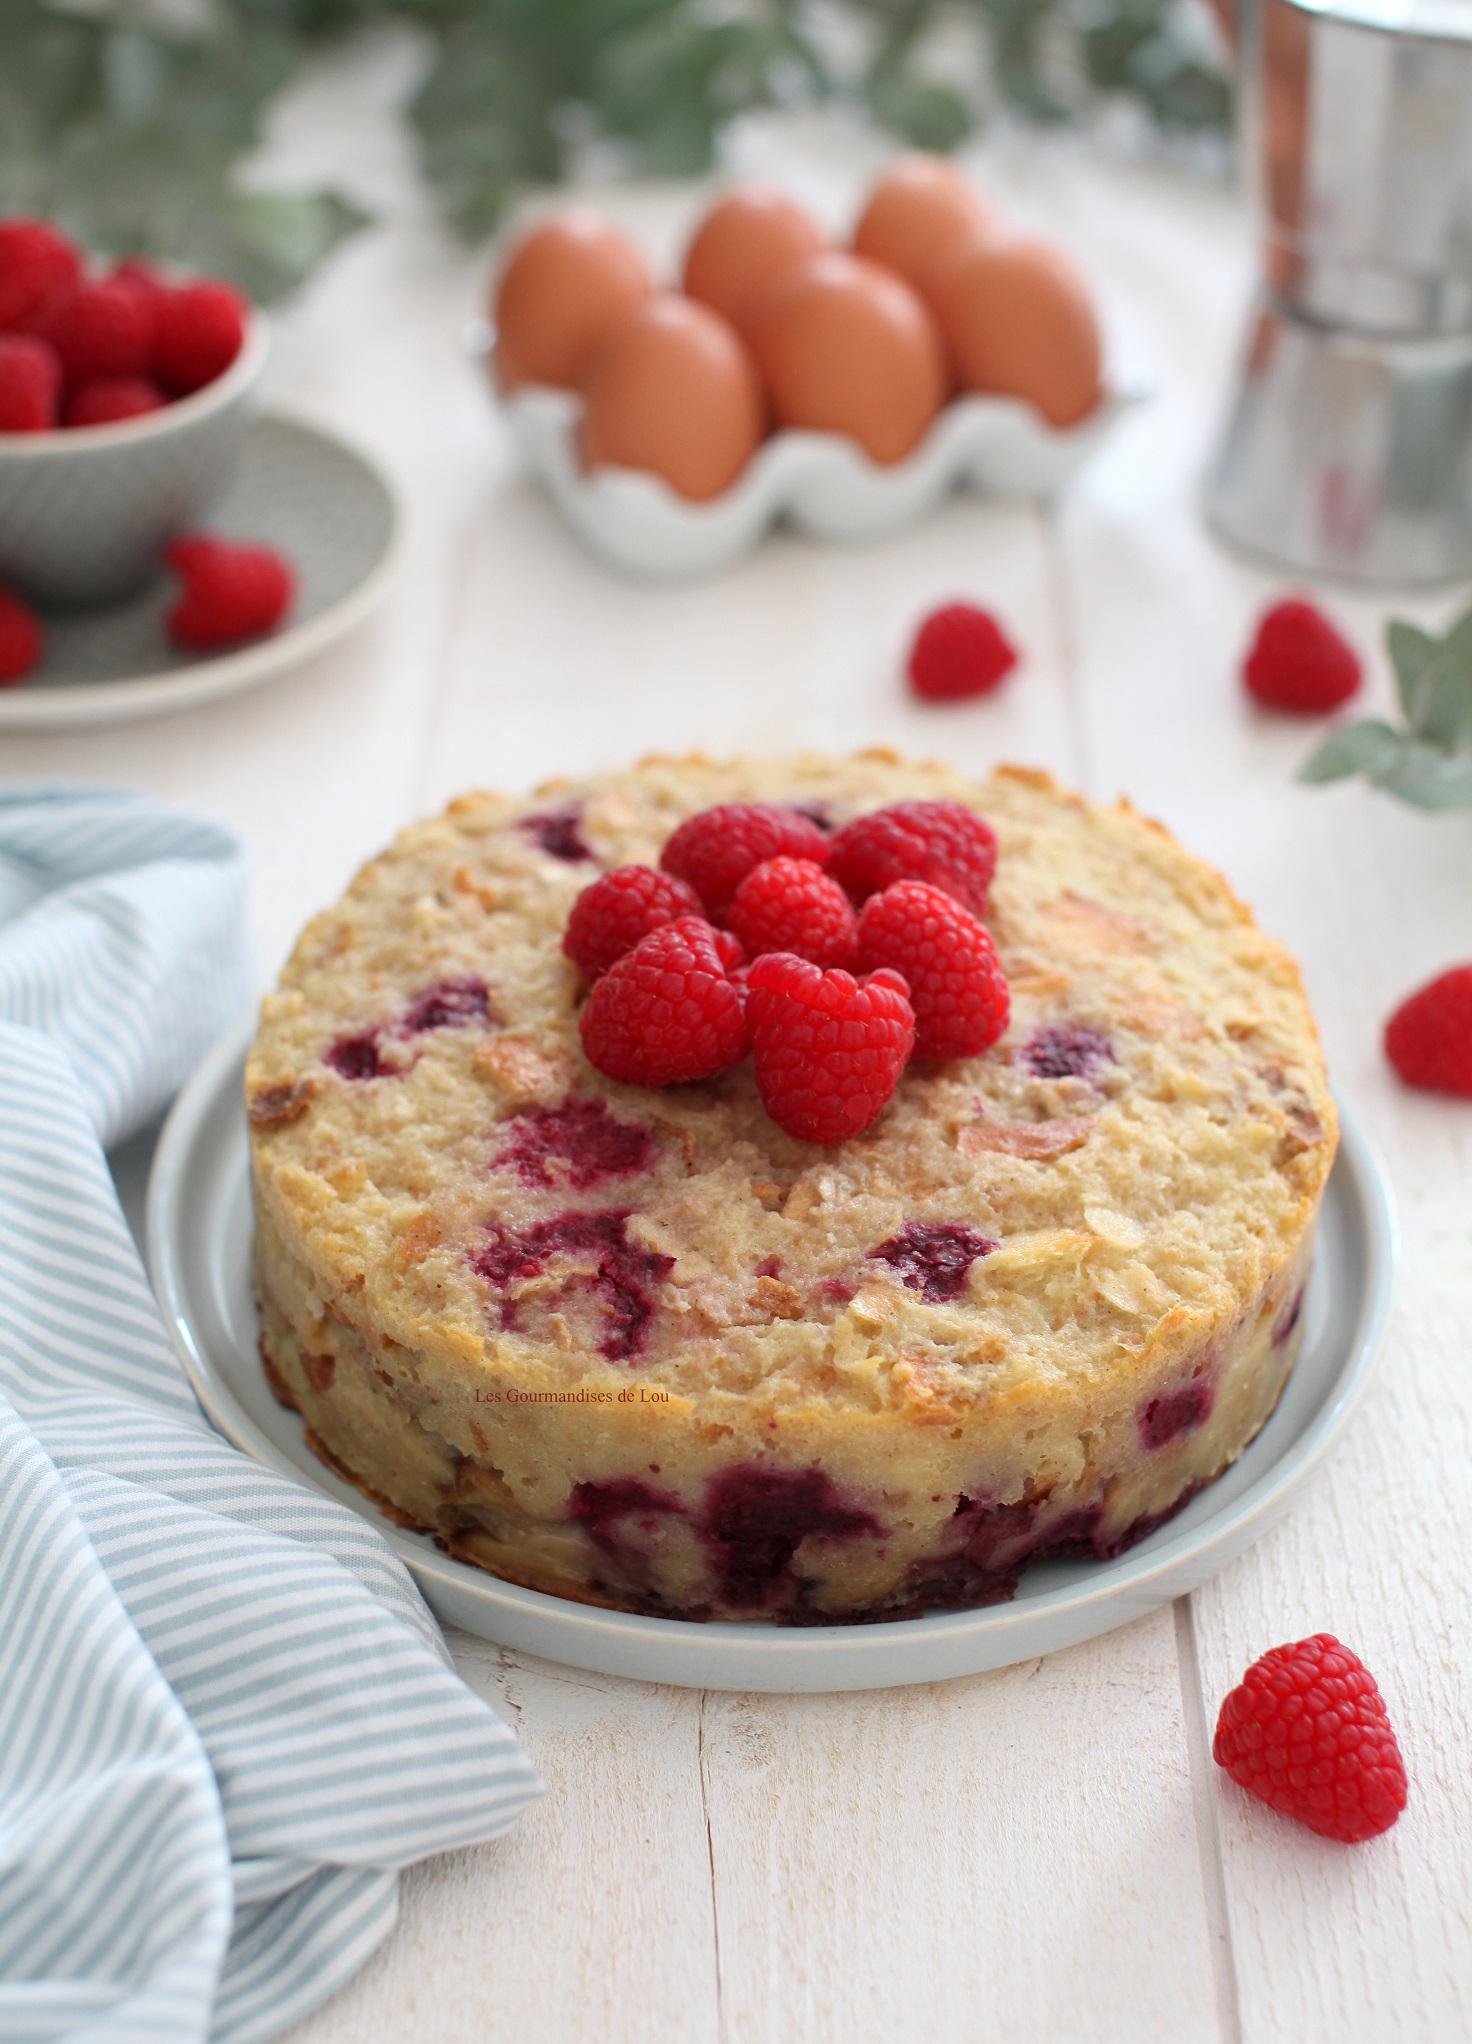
(297, 489)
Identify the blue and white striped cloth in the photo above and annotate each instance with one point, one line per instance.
(226, 1717)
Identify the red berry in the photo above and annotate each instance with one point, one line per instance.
(716, 850)
(103, 327)
(959, 651)
(201, 329)
(792, 905)
(21, 637)
(1299, 662)
(947, 960)
(38, 266)
(1429, 1037)
(1306, 1730)
(230, 592)
(943, 843)
(665, 1012)
(621, 907)
(30, 384)
(829, 1049)
(106, 399)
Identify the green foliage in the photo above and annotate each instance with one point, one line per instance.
(131, 136)
(1430, 762)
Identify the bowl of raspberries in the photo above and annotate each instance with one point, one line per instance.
(125, 391)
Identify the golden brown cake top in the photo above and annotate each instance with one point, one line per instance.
(1127, 1168)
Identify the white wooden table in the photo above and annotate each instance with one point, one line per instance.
(1046, 1853)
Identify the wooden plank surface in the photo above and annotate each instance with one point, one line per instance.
(1046, 1852)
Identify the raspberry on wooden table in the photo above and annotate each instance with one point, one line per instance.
(1429, 1037)
(21, 637)
(1306, 1731)
(829, 1049)
(618, 909)
(1299, 662)
(107, 399)
(943, 843)
(716, 849)
(201, 330)
(38, 266)
(231, 591)
(665, 1012)
(104, 327)
(30, 384)
(957, 988)
(792, 905)
(960, 651)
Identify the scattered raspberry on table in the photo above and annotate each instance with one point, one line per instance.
(960, 651)
(1306, 1730)
(231, 592)
(1429, 1037)
(21, 638)
(619, 909)
(665, 1012)
(792, 905)
(947, 959)
(1299, 662)
(829, 1049)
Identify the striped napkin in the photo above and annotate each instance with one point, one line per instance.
(226, 1717)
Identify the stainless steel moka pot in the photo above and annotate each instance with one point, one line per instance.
(1347, 449)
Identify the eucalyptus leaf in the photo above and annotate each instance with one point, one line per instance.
(1429, 764)
(1353, 749)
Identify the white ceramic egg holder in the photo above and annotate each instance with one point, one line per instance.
(820, 482)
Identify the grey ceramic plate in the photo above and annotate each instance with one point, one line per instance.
(199, 1232)
(298, 489)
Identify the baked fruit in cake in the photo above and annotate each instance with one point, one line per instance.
(639, 1346)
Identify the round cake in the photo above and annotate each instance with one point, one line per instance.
(639, 1347)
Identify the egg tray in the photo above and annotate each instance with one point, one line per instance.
(820, 482)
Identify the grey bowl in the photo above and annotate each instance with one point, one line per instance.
(86, 511)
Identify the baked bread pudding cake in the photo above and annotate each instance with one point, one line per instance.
(640, 1344)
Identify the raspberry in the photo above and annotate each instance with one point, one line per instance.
(1299, 662)
(792, 905)
(716, 850)
(829, 1048)
(665, 1012)
(959, 651)
(933, 1258)
(618, 909)
(106, 399)
(20, 637)
(940, 842)
(1429, 1037)
(103, 327)
(957, 989)
(201, 329)
(30, 384)
(38, 266)
(1306, 1730)
(230, 592)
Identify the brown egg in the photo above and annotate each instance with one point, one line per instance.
(567, 286)
(846, 347)
(677, 392)
(920, 210)
(1018, 321)
(743, 246)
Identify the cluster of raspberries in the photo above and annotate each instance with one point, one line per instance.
(747, 938)
(84, 350)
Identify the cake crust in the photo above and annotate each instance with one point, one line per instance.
(641, 1348)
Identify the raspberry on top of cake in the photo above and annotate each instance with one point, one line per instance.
(641, 1344)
